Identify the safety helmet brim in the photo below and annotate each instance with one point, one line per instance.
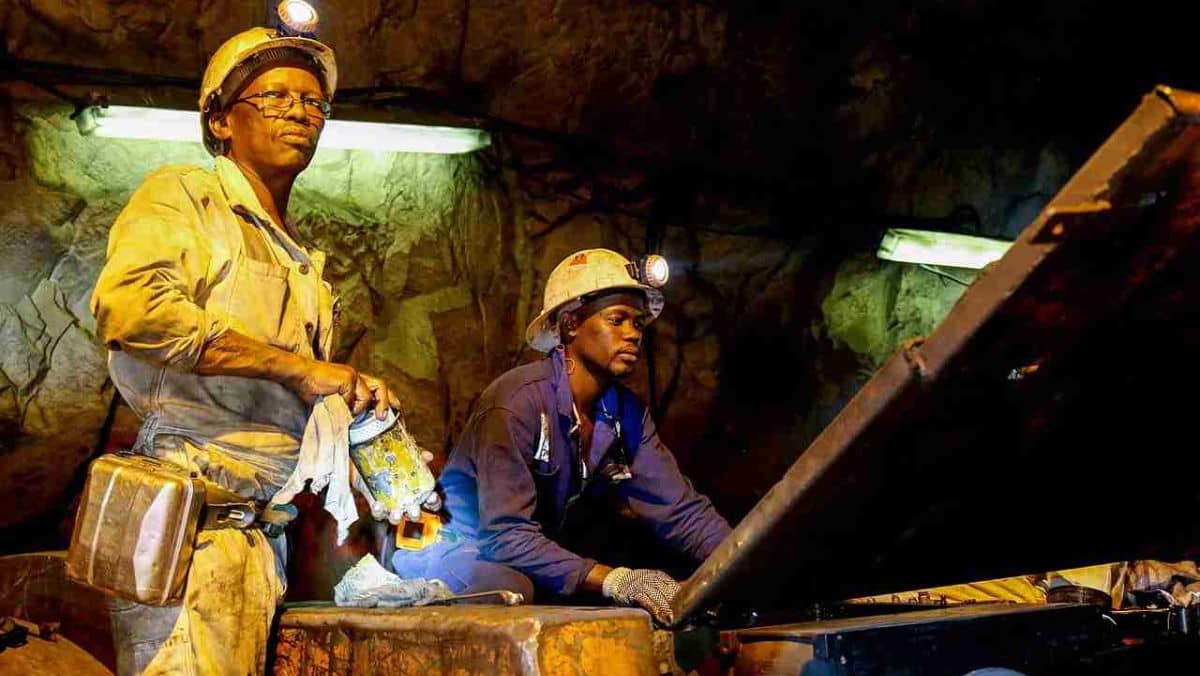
(542, 333)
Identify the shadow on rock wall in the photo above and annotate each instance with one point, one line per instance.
(762, 144)
(439, 262)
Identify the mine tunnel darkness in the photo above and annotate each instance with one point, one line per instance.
(765, 157)
(763, 147)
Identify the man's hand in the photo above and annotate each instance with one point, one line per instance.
(651, 590)
(383, 397)
(358, 389)
(320, 378)
(232, 354)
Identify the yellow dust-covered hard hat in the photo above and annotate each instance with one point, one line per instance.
(244, 55)
(581, 274)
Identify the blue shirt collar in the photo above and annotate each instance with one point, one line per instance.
(609, 401)
(562, 386)
(606, 416)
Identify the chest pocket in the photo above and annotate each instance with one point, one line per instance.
(258, 304)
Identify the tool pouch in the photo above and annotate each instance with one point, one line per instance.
(135, 530)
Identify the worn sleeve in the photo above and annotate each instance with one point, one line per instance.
(508, 533)
(664, 498)
(145, 301)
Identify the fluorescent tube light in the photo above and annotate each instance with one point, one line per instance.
(940, 248)
(163, 124)
(402, 138)
(151, 124)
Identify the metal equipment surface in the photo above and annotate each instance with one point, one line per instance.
(136, 527)
(1057, 372)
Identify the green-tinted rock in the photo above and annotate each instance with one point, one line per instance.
(52, 377)
(876, 305)
(923, 299)
(407, 341)
(35, 223)
(858, 309)
(91, 166)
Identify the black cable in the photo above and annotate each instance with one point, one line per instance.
(942, 273)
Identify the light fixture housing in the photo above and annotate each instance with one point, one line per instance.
(161, 124)
(85, 119)
(651, 270)
(948, 249)
(297, 18)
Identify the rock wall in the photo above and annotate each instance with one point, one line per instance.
(761, 146)
(54, 390)
(413, 239)
(439, 260)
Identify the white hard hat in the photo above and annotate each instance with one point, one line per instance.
(243, 55)
(583, 273)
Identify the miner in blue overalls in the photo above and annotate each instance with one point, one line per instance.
(544, 435)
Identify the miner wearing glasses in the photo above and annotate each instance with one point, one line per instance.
(219, 329)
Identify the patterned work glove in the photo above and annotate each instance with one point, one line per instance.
(649, 589)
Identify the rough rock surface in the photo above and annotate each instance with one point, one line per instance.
(55, 397)
(875, 305)
(762, 146)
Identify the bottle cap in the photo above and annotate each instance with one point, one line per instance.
(366, 426)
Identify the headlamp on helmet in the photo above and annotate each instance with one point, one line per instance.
(651, 270)
(297, 18)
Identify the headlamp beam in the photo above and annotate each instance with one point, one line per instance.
(297, 18)
(651, 270)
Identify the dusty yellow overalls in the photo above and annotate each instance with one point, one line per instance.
(192, 255)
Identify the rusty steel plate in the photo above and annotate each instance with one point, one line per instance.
(1046, 423)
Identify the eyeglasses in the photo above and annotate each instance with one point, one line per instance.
(279, 103)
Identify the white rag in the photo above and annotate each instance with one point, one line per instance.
(368, 585)
(325, 460)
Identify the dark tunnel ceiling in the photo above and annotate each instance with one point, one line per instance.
(804, 96)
